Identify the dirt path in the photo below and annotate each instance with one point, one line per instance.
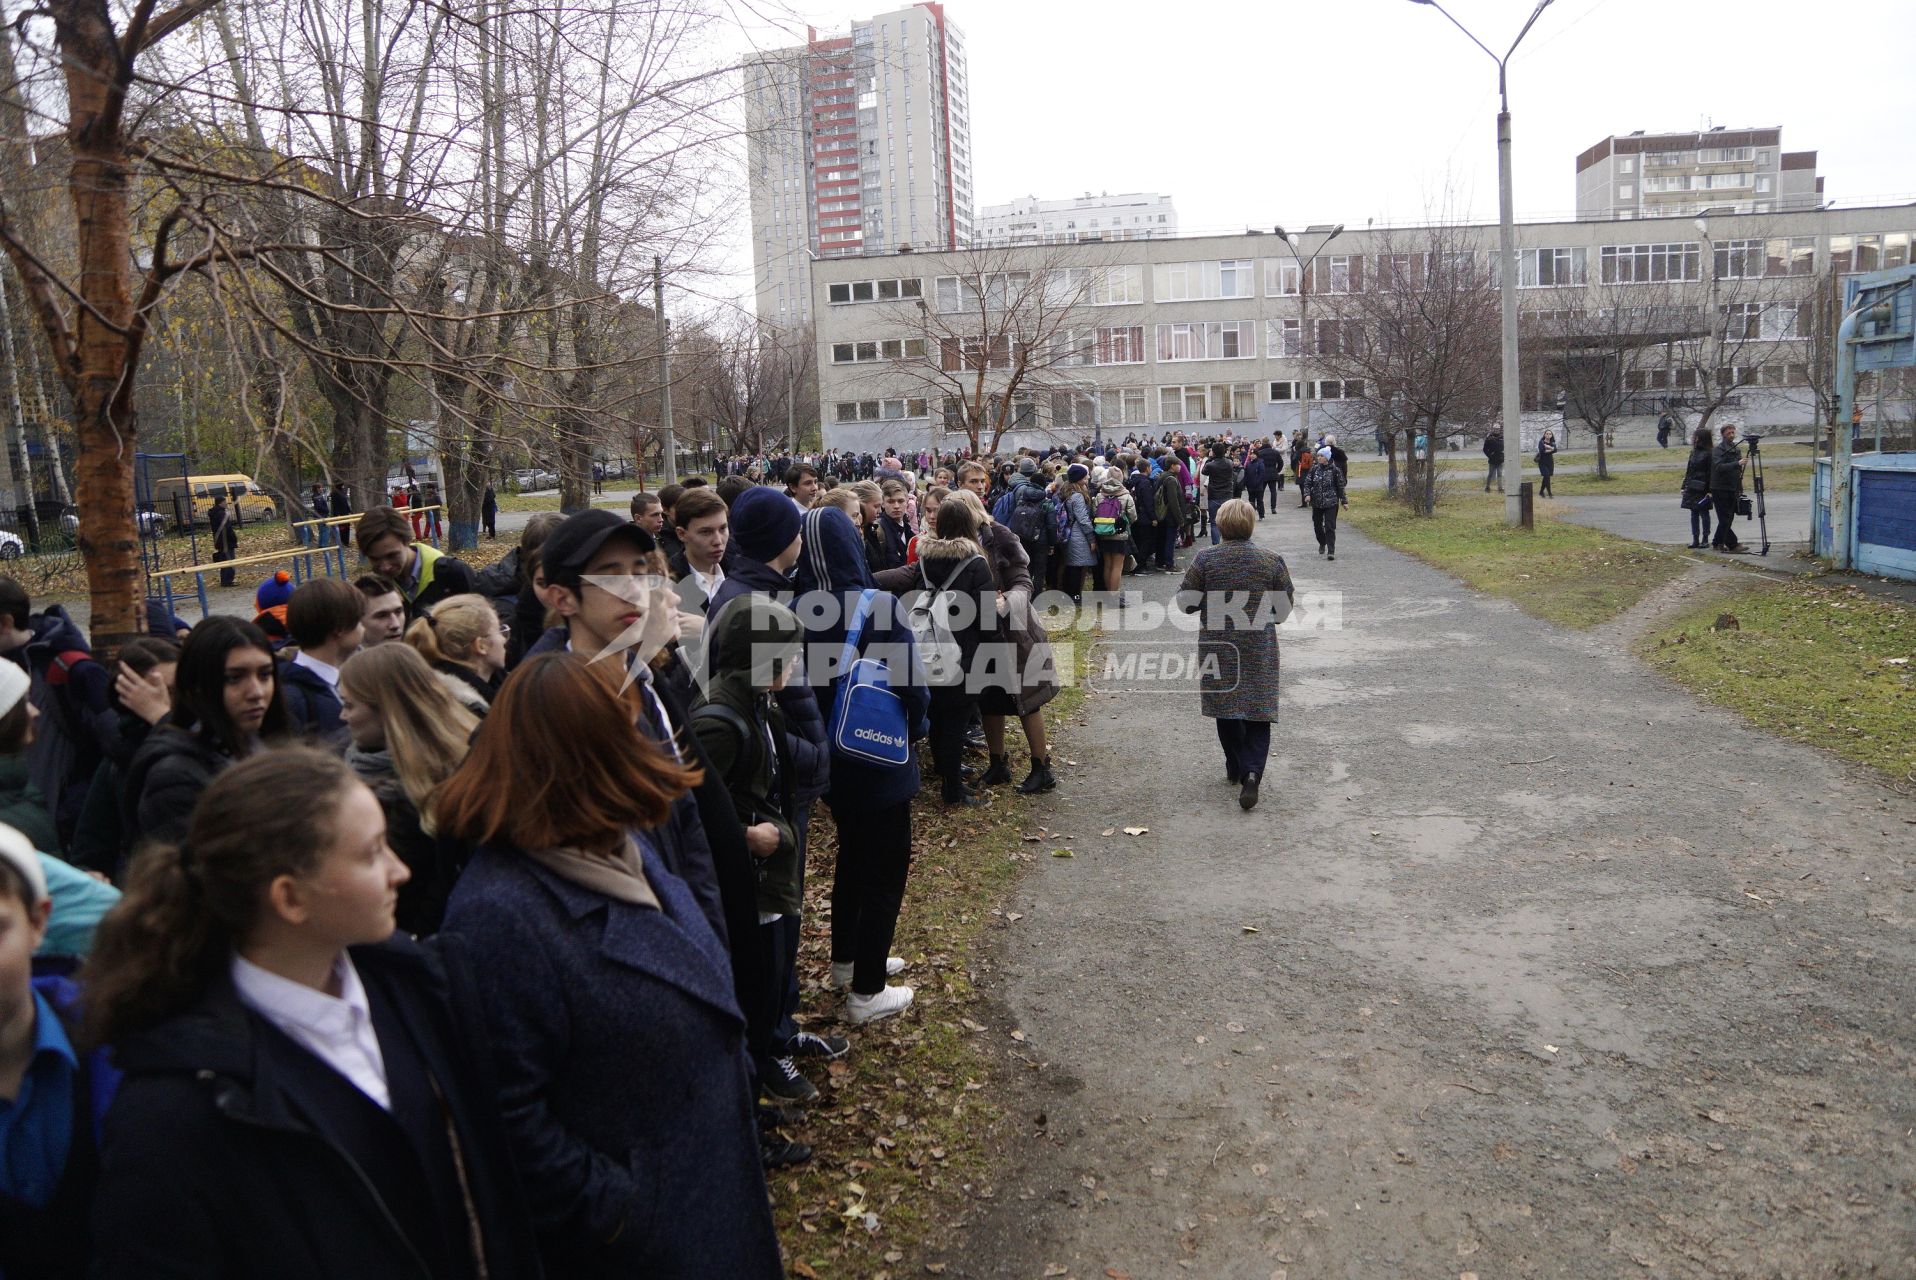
(1556, 972)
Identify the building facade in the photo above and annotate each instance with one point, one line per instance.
(1218, 332)
(856, 143)
(1127, 216)
(1669, 175)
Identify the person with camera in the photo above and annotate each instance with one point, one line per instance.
(1726, 488)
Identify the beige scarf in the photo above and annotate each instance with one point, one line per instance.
(621, 878)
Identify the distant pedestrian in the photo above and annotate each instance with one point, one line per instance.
(1696, 488)
(1233, 590)
(1546, 463)
(1726, 486)
(342, 505)
(1666, 423)
(1324, 490)
(225, 530)
(489, 511)
(1494, 451)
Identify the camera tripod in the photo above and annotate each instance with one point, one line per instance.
(1756, 488)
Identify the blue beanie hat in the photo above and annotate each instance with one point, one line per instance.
(764, 522)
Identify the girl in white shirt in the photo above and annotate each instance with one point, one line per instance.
(300, 1099)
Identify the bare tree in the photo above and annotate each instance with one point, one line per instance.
(1423, 339)
(999, 328)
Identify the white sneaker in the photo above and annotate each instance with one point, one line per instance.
(842, 973)
(862, 1009)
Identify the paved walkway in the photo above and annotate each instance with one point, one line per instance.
(1556, 971)
(1658, 518)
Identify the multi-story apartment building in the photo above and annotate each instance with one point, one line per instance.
(1211, 330)
(856, 143)
(1672, 175)
(1127, 216)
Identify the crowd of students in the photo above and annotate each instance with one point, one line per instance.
(392, 931)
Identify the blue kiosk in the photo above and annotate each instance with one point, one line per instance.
(1864, 506)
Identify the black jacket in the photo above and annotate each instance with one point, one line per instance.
(164, 782)
(224, 1152)
(1696, 472)
(1494, 448)
(1726, 468)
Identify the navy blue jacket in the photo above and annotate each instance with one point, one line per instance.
(623, 1083)
(831, 563)
(222, 1159)
(312, 706)
(1144, 492)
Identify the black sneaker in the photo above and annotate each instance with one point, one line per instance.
(1247, 794)
(809, 1044)
(771, 1117)
(775, 1151)
(779, 1079)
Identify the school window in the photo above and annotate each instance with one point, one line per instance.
(1214, 402)
(1280, 278)
(1789, 256)
(1285, 338)
(1740, 259)
(1195, 281)
(881, 410)
(1073, 409)
(1648, 263)
(1120, 344)
(1550, 268)
(1126, 407)
(1213, 340)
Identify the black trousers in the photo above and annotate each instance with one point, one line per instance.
(951, 713)
(868, 888)
(1071, 580)
(1273, 488)
(1255, 493)
(1246, 743)
(1725, 504)
(1324, 525)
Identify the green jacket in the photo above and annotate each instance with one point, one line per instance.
(22, 807)
(742, 730)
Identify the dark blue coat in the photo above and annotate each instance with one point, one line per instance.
(622, 1073)
(312, 706)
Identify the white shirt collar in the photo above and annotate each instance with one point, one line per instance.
(338, 1030)
(326, 671)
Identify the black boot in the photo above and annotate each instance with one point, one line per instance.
(955, 792)
(1247, 793)
(1040, 779)
(999, 772)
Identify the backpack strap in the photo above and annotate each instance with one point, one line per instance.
(60, 670)
(713, 712)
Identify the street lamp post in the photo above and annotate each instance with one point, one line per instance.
(1304, 266)
(1507, 258)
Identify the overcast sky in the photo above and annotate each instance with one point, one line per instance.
(1257, 112)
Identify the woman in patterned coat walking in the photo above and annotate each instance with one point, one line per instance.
(1241, 593)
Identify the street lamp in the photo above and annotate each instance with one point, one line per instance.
(1506, 256)
(1304, 266)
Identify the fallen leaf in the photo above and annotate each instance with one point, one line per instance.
(1031, 839)
(1234, 1026)
(799, 1268)
(1114, 1274)
(969, 1025)
(1109, 831)
(1136, 831)
(1055, 1269)
(1063, 853)
(1019, 1036)
(1248, 928)
(1551, 1048)
(1716, 1116)
(936, 1268)
(1014, 916)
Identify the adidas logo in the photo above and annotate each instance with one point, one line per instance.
(882, 739)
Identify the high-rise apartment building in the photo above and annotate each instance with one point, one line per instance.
(858, 144)
(1128, 216)
(1666, 175)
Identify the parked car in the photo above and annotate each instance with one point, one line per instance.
(152, 524)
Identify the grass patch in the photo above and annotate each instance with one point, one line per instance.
(902, 1122)
(1562, 573)
(1830, 666)
(1778, 477)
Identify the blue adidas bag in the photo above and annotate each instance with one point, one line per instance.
(868, 719)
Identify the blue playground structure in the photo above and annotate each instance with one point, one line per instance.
(1864, 507)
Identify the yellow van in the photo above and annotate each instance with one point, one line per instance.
(190, 499)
